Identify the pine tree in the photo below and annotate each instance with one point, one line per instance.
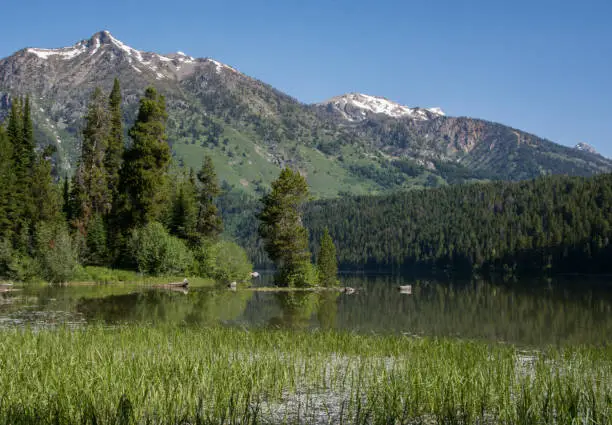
(46, 199)
(91, 195)
(66, 204)
(22, 208)
(209, 223)
(115, 148)
(285, 237)
(7, 181)
(327, 263)
(184, 217)
(28, 130)
(143, 175)
(15, 129)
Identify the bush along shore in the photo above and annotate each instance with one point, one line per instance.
(182, 375)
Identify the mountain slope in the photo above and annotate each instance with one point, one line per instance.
(352, 143)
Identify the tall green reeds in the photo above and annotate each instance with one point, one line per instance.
(180, 375)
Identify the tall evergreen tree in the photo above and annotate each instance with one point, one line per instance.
(143, 175)
(285, 237)
(184, 217)
(327, 263)
(115, 148)
(46, 199)
(66, 204)
(91, 192)
(209, 222)
(28, 130)
(15, 129)
(7, 182)
(22, 208)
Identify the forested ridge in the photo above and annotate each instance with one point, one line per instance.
(554, 224)
(559, 223)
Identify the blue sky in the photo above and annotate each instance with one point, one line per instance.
(540, 66)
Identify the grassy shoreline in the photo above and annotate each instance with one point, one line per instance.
(150, 374)
(93, 275)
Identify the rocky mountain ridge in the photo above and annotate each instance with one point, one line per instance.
(358, 107)
(582, 146)
(352, 143)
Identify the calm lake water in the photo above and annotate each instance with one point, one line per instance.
(531, 313)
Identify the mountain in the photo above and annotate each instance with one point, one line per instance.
(354, 143)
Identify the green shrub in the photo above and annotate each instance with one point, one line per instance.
(15, 265)
(55, 253)
(302, 275)
(105, 275)
(223, 261)
(157, 252)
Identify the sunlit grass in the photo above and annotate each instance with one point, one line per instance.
(140, 374)
(104, 275)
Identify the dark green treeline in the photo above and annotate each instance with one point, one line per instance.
(552, 224)
(557, 224)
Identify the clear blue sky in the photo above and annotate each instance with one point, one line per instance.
(541, 66)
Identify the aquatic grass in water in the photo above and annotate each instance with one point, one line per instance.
(140, 374)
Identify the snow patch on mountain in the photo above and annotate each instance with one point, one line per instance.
(220, 66)
(63, 53)
(437, 111)
(356, 106)
(582, 146)
(181, 56)
(97, 45)
(129, 50)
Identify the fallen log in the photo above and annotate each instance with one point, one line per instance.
(184, 284)
(405, 289)
(6, 287)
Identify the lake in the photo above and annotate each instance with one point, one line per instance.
(531, 313)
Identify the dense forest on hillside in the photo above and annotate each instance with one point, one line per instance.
(555, 224)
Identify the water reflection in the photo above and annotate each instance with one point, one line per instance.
(195, 307)
(305, 310)
(529, 312)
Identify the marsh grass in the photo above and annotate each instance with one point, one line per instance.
(104, 275)
(182, 375)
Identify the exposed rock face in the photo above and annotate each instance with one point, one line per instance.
(220, 110)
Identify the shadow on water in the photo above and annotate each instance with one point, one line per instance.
(535, 313)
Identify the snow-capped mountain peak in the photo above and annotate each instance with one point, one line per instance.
(174, 65)
(62, 53)
(357, 107)
(91, 46)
